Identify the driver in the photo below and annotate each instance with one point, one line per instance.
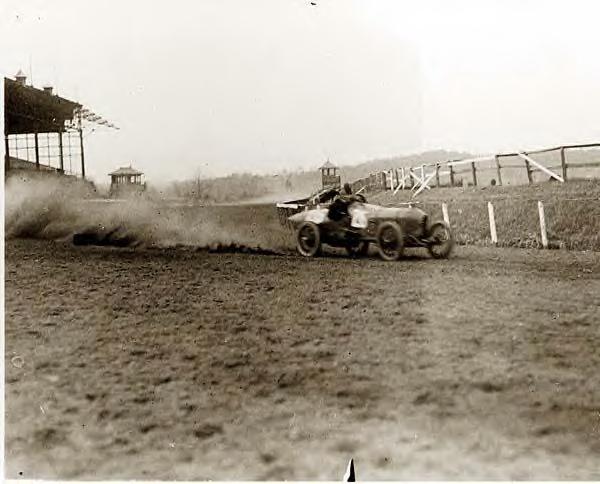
(338, 211)
(350, 196)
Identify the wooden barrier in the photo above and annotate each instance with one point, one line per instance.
(414, 178)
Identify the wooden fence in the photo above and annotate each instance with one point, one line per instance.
(495, 169)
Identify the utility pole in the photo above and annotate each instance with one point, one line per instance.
(81, 147)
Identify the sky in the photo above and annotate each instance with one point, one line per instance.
(213, 87)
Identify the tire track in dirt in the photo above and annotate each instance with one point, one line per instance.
(180, 364)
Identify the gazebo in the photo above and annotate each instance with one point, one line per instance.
(126, 180)
(329, 175)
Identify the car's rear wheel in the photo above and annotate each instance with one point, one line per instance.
(390, 241)
(359, 250)
(308, 239)
(441, 240)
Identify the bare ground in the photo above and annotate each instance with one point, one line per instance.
(182, 364)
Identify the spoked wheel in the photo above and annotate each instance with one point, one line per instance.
(308, 239)
(390, 241)
(359, 250)
(441, 240)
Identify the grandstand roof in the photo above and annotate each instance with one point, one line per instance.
(31, 110)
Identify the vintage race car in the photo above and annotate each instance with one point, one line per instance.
(362, 224)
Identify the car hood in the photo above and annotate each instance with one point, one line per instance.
(316, 215)
(379, 212)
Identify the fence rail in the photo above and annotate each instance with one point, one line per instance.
(457, 172)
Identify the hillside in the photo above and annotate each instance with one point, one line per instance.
(286, 185)
(248, 187)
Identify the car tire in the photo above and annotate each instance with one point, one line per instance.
(308, 239)
(390, 241)
(441, 240)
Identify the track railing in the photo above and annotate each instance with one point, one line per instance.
(469, 171)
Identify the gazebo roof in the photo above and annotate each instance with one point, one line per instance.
(126, 170)
(328, 164)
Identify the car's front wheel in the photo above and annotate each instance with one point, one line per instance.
(308, 239)
(441, 241)
(390, 241)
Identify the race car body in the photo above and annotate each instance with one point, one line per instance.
(360, 224)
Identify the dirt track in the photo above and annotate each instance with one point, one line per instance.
(176, 364)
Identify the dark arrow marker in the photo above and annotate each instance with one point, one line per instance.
(349, 475)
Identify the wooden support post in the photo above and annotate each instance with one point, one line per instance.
(563, 163)
(401, 181)
(37, 151)
(437, 175)
(543, 225)
(82, 154)
(412, 179)
(474, 171)
(60, 152)
(445, 213)
(391, 173)
(529, 174)
(6, 155)
(493, 234)
(451, 176)
(498, 169)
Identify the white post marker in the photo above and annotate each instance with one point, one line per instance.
(543, 225)
(493, 233)
(445, 213)
(391, 180)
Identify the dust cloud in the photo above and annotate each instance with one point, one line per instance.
(66, 210)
